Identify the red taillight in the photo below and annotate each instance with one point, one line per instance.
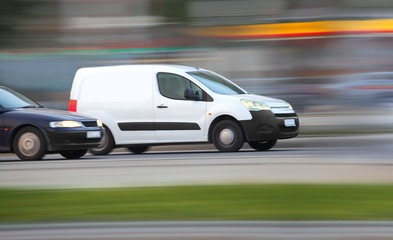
(72, 105)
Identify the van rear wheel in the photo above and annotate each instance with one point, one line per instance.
(227, 136)
(138, 150)
(73, 154)
(263, 145)
(106, 145)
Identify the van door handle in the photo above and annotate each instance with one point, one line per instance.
(162, 106)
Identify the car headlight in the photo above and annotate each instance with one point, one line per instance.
(65, 124)
(254, 105)
(99, 123)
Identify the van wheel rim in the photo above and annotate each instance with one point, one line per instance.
(103, 144)
(227, 136)
(29, 144)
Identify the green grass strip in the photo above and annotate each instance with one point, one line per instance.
(239, 202)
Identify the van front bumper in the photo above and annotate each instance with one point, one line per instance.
(266, 125)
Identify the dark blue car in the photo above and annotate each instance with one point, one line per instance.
(31, 131)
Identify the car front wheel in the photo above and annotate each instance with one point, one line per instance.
(29, 144)
(263, 145)
(227, 136)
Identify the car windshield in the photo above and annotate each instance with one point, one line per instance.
(12, 99)
(216, 83)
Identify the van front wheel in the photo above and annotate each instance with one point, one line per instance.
(263, 145)
(227, 136)
(106, 145)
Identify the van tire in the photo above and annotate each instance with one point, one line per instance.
(73, 154)
(29, 144)
(227, 136)
(107, 144)
(263, 145)
(138, 150)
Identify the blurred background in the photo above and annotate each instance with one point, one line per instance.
(327, 58)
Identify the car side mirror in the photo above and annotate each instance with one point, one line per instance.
(190, 95)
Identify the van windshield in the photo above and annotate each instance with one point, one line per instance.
(216, 83)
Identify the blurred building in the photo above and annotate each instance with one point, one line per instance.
(293, 49)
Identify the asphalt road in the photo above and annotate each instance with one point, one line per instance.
(250, 230)
(335, 159)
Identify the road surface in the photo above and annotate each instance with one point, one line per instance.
(349, 159)
(243, 230)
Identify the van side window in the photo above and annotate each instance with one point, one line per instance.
(173, 86)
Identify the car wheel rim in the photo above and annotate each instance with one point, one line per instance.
(29, 144)
(227, 136)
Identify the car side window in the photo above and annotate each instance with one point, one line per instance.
(173, 86)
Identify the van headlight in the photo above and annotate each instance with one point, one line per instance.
(254, 105)
(65, 124)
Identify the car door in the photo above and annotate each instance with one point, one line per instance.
(178, 119)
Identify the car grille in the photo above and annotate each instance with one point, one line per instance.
(90, 123)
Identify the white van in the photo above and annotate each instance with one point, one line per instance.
(146, 105)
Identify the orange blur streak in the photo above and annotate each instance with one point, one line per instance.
(299, 29)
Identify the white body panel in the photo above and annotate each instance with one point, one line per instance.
(118, 95)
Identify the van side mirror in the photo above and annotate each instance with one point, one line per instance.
(190, 95)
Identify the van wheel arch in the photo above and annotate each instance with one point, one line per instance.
(219, 119)
(222, 118)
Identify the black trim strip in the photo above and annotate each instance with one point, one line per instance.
(137, 126)
(151, 126)
(285, 115)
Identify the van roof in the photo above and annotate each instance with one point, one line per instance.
(91, 70)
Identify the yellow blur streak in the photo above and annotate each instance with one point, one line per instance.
(298, 29)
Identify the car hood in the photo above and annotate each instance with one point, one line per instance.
(51, 114)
